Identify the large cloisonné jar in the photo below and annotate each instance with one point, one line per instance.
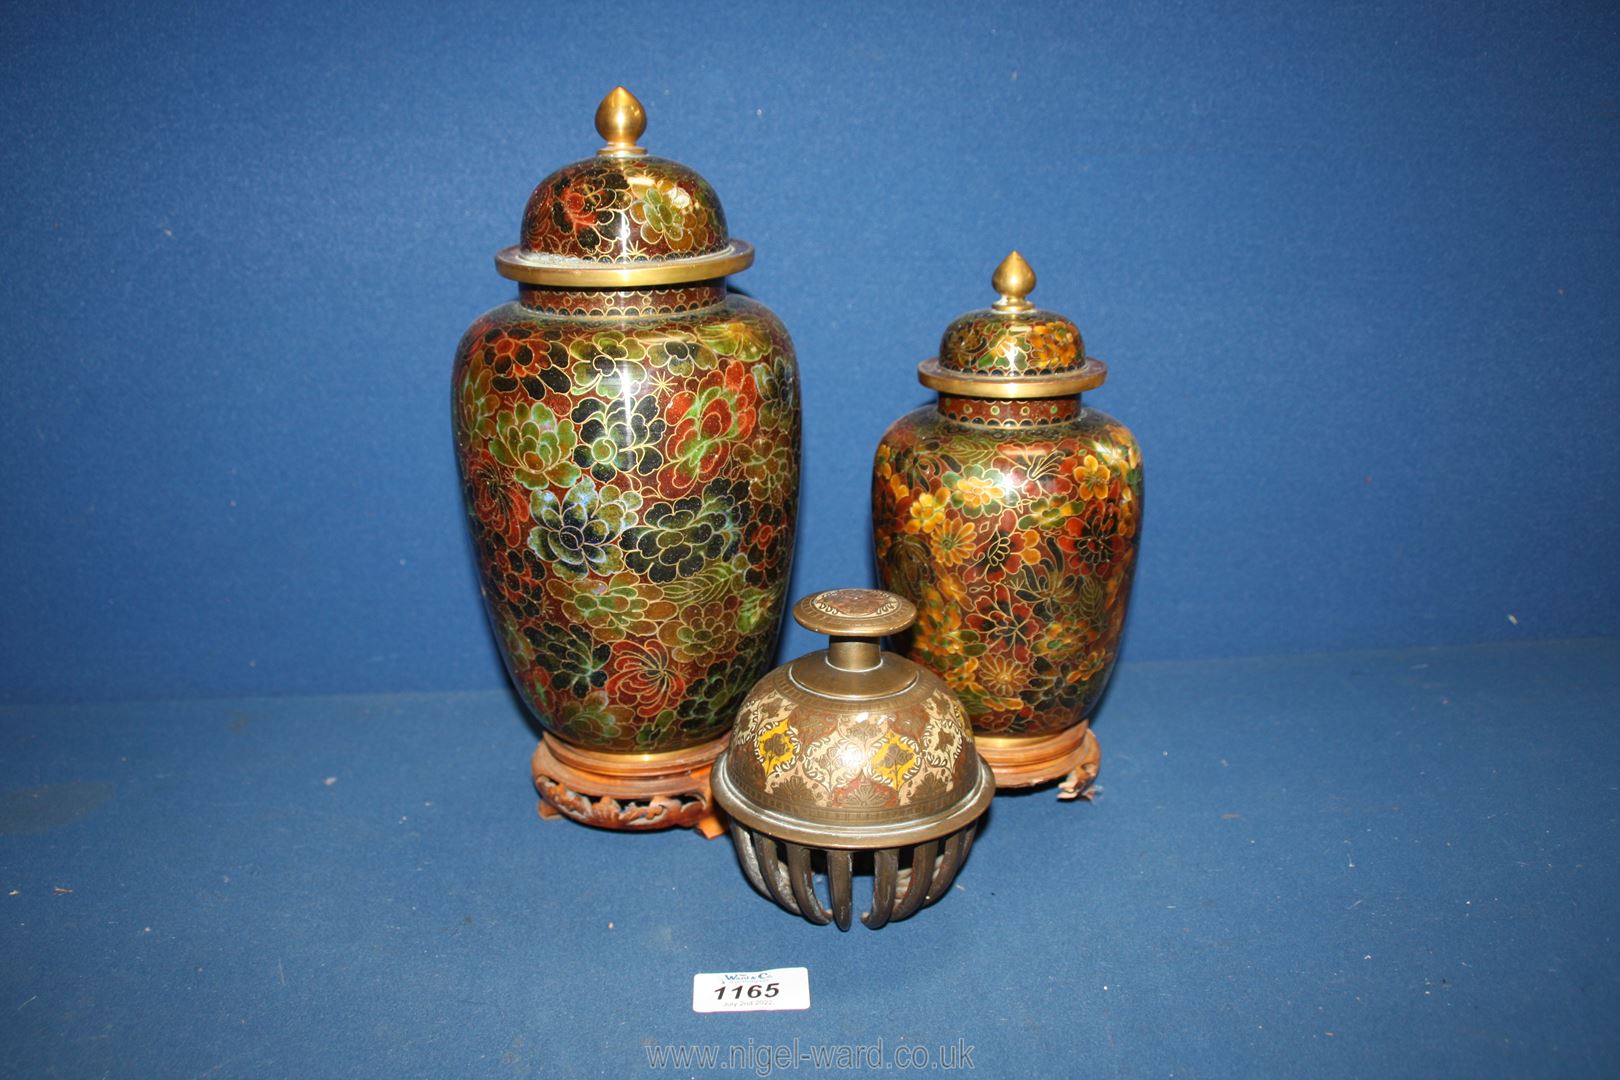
(628, 436)
(1008, 513)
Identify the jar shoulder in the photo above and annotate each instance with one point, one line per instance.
(739, 333)
(927, 432)
(514, 315)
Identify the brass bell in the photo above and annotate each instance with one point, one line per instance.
(846, 751)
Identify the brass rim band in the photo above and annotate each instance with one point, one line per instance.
(1005, 750)
(852, 837)
(1088, 376)
(517, 265)
(633, 765)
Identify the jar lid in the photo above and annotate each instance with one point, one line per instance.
(1012, 349)
(852, 747)
(623, 218)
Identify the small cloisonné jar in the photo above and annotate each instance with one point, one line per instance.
(847, 755)
(628, 437)
(1008, 512)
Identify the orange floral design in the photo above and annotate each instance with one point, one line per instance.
(644, 674)
(953, 543)
(975, 492)
(1023, 582)
(1002, 676)
(953, 589)
(1053, 346)
(928, 512)
(1096, 660)
(1093, 477)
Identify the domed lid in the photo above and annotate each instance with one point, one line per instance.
(1012, 349)
(623, 218)
(852, 747)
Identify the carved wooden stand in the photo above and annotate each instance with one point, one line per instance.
(1072, 755)
(628, 791)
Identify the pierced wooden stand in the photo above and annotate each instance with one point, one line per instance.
(628, 791)
(1025, 762)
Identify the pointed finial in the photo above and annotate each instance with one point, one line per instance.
(620, 120)
(1014, 280)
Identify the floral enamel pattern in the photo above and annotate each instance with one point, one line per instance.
(632, 487)
(990, 342)
(622, 303)
(787, 753)
(1018, 545)
(1027, 412)
(624, 209)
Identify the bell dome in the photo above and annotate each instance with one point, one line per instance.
(850, 742)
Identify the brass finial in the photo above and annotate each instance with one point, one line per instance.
(1014, 280)
(620, 120)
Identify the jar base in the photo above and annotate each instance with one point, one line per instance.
(628, 792)
(1072, 756)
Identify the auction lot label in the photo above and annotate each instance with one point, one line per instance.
(751, 991)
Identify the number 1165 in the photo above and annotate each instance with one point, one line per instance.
(752, 990)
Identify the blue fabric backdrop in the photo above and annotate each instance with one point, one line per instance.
(1355, 270)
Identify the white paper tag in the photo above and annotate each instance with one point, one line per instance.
(751, 991)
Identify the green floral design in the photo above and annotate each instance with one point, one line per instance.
(702, 633)
(536, 444)
(716, 581)
(680, 356)
(757, 607)
(768, 464)
(517, 646)
(615, 608)
(683, 538)
(995, 342)
(778, 396)
(577, 665)
(659, 216)
(614, 438)
(978, 491)
(479, 401)
(1046, 512)
(624, 210)
(608, 363)
(592, 718)
(576, 533)
(652, 732)
(712, 701)
(710, 425)
(667, 441)
(736, 338)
